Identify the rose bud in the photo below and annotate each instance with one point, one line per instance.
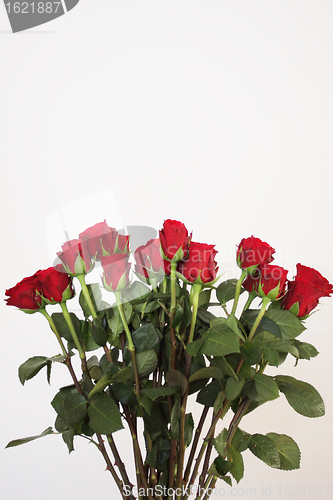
(56, 286)
(122, 244)
(100, 240)
(149, 262)
(200, 266)
(174, 240)
(76, 257)
(272, 281)
(116, 272)
(26, 295)
(304, 292)
(252, 251)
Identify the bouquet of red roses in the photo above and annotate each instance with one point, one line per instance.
(157, 343)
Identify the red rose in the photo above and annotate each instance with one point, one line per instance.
(272, 281)
(200, 265)
(304, 292)
(26, 295)
(174, 240)
(267, 280)
(149, 261)
(76, 257)
(122, 244)
(116, 272)
(100, 239)
(56, 286)
(252, 251)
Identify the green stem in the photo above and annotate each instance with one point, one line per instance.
(173, 289)
(86, 294)
(196, 288)
(131, 346)
(252, 296)
(54, 329)
(69, 322)
(238, 290)
(265, 302)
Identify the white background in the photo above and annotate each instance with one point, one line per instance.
(214, 113)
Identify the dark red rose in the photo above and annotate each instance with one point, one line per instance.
(200, 265)
(252, 252)
(26, 295)
(267, 280)
(272, 281)
(149, 260)
(56, 286)
(76, 257)
(174, 240)
(100, 239)
(116, 272)
(304, 292)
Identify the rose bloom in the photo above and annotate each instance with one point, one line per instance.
(252, 252)
(174, 240)
(116, 272)
(149, 261)
(26, 295)
(100, 239)
(56, 286)
(76, 257)
(304, 292)
(272, 281)
(200, 264)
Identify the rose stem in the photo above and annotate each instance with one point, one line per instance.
(206, 462)
(172, 313)
(265, 302)
(110, 467)
(196, 289)
(80, 391)
(69, 322)
(237, 291)
(195, 442)
(206, 440)
(131, 349)
(86, 294)
(137, 452)
(119, 463)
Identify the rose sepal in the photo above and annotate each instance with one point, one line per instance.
(68, 293)
(272, 294)
(181, 254)
(122, 284)
(79, 266)
(198, 281)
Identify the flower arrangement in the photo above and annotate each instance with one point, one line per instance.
(160, 344)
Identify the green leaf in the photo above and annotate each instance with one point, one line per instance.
(136, 292)
(251, 353)
(236, 459)
(220, 442)
(285, 346)
(272, 356)
(265, 449)
(62, 327)
(155, 424)
(124, 394)
(178, 315)
(226, 290)
(266, 386)
(205, 316)
(99, 334)
(58, 400)
(233, 388)
(290, 326)
(113, 375)
(204, 297)
(213, 472)
(176, 379)
(222, 466)
(104, 416)
(146, 362)
(305, 350)
(289, 452)
(219, 340)
(301, 396)
(266, 324)
(208, 394)
(20, 441)
(222, 363)
(192, 348)
(189, 426)
(31, 367)
(96, 297)
(159, 392)
(68, 437)
(208, 372)
(75, 408)
(87, 333)
(232, 322)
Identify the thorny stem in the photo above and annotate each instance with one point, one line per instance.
(195, 443)
(120, 464)
(109, 465)
(69, 322)
(237, 291)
